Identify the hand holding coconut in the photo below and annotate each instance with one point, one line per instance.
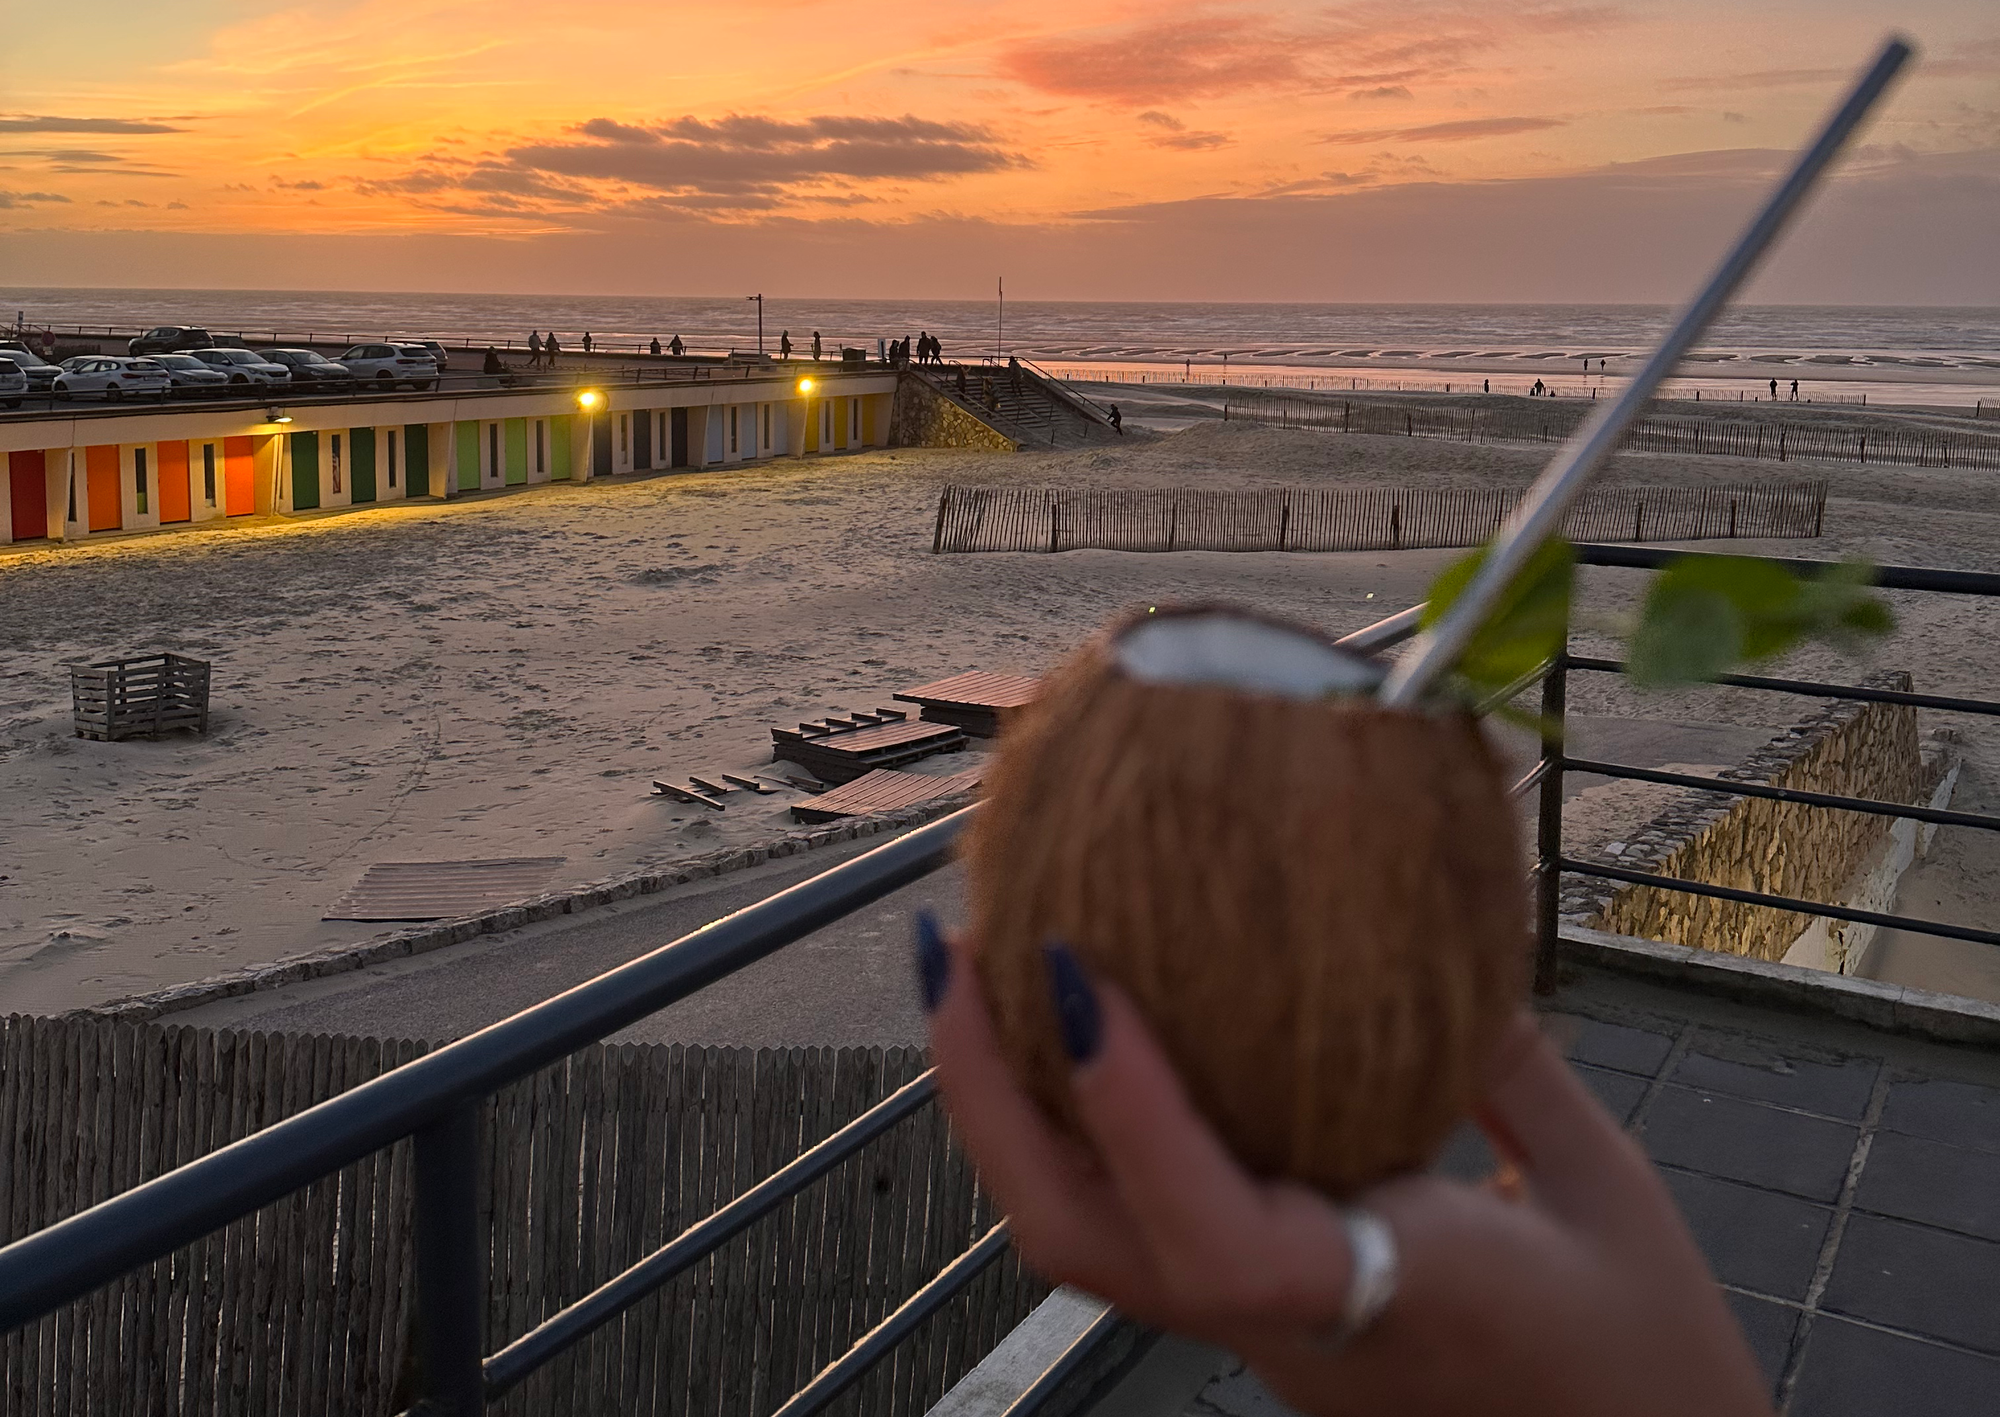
(1586, 1298)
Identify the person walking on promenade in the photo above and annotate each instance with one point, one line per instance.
(586, 341)
(1774, 391)
(551, 348)
(1485, 386)
(923, 346)
(785, 344)
(1795, 391)
(1117, 421)
(654, 348)
(677, 347)
(815, 344)
(534, 349)
(1014, 374)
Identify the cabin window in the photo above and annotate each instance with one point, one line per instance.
(541, 446)
(333, 460)
(139, 476)
(392, 457)
(208, 473)
(733, 412)
(767, 426)
(492, 450)
(624, 434)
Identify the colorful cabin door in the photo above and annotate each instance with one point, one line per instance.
(28, 494)
(416, 460)
(305, 471)
(361, 463)
(176, 504)
(100, 472)
(239, 477)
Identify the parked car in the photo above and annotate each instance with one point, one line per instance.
(388, 366)
(436, 349)
(172, 339)
(190, 376)
(241, 366)
(13, 383)
(41, 374)
(312, 370)
(111, 375)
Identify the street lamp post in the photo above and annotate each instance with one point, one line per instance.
(760, 322)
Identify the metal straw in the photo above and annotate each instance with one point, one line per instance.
(1540, 514)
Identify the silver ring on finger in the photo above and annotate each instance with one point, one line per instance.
(1371, 1280)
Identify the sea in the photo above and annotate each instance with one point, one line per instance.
(1944, 347)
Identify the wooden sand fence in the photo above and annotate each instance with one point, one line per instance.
(1350, 518)
(1555, 421)
(305, 1307)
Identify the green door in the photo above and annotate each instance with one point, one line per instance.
(514, 434)
(417, 460)
(305, 471)
(361, 461)
(468, 457)
(559, 427)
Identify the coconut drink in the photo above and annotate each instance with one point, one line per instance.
(1318, 902)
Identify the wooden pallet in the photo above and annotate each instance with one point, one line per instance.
(883, 790)
(151, 694)
(976, 701)
(837, 750)
(441, 890)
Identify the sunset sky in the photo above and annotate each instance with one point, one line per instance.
(1090, 149)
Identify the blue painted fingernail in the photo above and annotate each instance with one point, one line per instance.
(1076, 1003)
(933, 960)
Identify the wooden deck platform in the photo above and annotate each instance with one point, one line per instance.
(976, 701)
(837, 750)
(883, 790)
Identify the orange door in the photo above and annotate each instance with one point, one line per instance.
(28, 494)
(239, 478)
(172, 460)
(101, 478)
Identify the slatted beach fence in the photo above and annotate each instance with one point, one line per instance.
(305, 1307)
(1350, 518)
(1718, 437)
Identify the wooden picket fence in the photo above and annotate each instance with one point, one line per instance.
(305, 1308)
(1556, 420)
(1350, 518)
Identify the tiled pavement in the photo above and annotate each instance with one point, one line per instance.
(1845, 1185)
(1843, 1182)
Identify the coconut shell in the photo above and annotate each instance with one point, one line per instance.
(1318, 905)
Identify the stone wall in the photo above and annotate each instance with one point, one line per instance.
(1781, 848)
(924, 418)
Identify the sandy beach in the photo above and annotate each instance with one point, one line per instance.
(506, 675)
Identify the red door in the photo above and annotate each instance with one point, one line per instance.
(100, 475)
(28, 494)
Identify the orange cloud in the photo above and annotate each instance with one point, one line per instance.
(1463, 130)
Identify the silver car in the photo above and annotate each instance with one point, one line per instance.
(13, 383)
(112, 376)
(240, 366)
(313, 370)
(388, 366)
(190, 376)
(41, 374)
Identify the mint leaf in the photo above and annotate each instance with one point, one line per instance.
(1705, 616)
(1526, 626)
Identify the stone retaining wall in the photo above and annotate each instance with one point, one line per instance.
(1811, 853)
(925, 418)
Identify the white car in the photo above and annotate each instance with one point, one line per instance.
(111, 375)
(189, 375)
(436, 350)
(241, 366)
(388, 366)
(13, 383)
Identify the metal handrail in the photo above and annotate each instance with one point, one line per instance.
(1732, 788)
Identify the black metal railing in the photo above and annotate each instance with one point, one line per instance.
(1552, 863)
(434, 1100)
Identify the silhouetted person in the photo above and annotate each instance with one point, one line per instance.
(1014, 374)
(815, 344)
(1774, 391)
(551, 348)
(961, 381)
(493, 364)
(1795, 389)
(534, 349)
(1485, 386)
(923, 346)
(785, 345)
(655, 347)
(1117, 421)
(586, 341)
(677, 347)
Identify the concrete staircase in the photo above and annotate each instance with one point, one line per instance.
(1034, 410)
